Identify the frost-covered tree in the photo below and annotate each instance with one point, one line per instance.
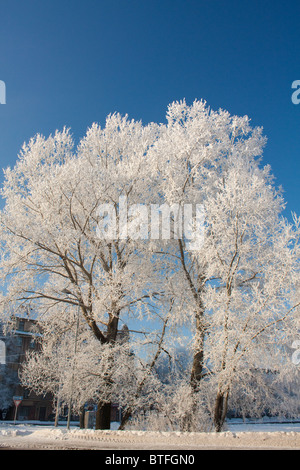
(191, 156)
(232, 277)
(239, 289)
(73, 366)
(52, 252)
(252, 289)
(51, 367)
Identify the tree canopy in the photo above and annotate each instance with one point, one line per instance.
(222, 264)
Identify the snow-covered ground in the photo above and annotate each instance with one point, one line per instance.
(238, 436)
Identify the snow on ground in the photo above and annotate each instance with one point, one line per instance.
(238, 436)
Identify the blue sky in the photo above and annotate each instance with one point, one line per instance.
(72, 62)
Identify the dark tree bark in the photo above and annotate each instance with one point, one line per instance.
(103, 414)
(81, 417)
(197, 366)
(196, 285)
(220, 410)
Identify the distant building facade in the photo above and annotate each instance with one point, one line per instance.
(13, 348)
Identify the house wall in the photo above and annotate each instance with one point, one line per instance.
(18, 341)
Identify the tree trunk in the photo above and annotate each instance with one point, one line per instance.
(125, 418)
(81, 417)
(220, 410)
(103, 415)
(196, 372)
(188, 423)
(197, 288)
(56, 414)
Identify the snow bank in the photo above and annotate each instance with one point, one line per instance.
(36, 437)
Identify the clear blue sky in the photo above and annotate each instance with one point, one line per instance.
(72, 62)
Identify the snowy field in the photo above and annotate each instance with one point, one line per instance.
(239, 436)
